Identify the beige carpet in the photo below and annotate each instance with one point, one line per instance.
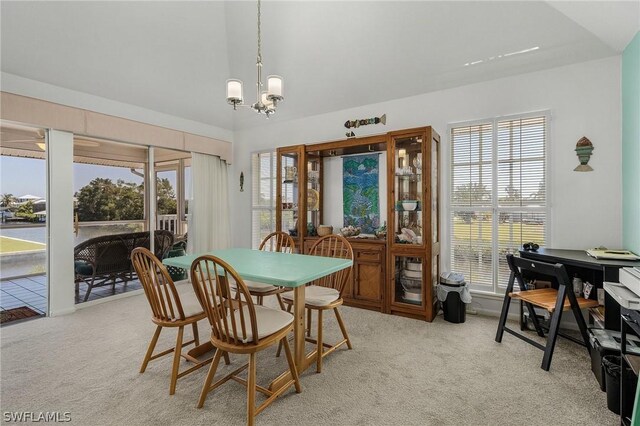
(401, 372)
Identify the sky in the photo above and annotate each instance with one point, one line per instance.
(21, 176)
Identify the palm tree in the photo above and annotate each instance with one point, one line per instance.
(6, 200)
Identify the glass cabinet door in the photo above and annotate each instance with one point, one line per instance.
(408, 190)
(289, 192)
(408, 280)
(314, 194)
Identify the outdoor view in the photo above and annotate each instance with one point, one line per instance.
(496, 204)
(109, 198)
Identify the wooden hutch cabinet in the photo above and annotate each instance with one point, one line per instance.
(396, 274)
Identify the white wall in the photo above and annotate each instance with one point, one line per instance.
(584, 100)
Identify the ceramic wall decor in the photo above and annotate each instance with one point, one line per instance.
(584, 148)
(351, 124)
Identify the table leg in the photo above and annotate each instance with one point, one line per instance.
(300, 358)
(298, 328)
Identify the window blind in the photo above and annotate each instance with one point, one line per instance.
(498, 196)
(263, 196)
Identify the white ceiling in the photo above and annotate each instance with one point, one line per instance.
(174, 57)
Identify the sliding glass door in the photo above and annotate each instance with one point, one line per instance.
(23, 216)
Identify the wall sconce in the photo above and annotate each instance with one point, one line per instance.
(584, 148)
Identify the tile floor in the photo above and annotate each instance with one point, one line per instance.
(32, 292)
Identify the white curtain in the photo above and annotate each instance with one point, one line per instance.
(209, 205)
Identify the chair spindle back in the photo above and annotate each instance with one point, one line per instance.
(335, 246)
(278, 241)
(232, 319)
(158, 286)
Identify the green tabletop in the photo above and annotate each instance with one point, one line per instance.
(281, 269)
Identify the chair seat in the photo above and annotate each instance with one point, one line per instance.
(269, 321)
(257, 287)
(316, 295)
(546, 298)
(190, 304)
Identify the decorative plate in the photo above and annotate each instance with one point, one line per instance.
(313, 199)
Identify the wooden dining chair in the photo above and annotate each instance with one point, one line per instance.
(238, 326)
(279, 242)
(171, 306)
(326, 294)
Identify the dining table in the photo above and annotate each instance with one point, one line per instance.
(286, 270)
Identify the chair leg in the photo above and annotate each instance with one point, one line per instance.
(319, 349)
(226, 358)
(534, 319)
(309, 319)
(251, 390)
(553, 329)
(176, 361)
(279, 351)
(89, 287)
(342, 327)
(152, 346)
(292, 365)
(196, 336)
(210, 375)
(506, 303)
(280, 302)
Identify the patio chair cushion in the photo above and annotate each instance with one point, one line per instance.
(316, 295)
(190, 304)
(83, 268)
(269, 321)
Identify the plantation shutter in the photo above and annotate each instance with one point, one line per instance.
(522, 196)
(263, 196)
(471, 203)
(498, 198)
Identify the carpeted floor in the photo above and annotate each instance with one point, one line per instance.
(401, 372)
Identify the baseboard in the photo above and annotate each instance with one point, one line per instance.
(63, 312)
(109, 299)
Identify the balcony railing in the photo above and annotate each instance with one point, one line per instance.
(168, 222)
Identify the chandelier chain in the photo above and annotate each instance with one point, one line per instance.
(259, 36)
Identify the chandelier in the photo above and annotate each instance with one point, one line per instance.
(266, 100)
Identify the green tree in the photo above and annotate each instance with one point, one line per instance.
(166, 197)
(25, 211)
(103, 200)
(6, 200)
(468, 195)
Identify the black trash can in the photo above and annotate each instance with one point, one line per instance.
(611, 365)
(454, 309)
(449, 294)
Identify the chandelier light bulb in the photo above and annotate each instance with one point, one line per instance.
(234, 91)
(274, 87)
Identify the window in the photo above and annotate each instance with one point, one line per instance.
(263, 196)
(498, 195)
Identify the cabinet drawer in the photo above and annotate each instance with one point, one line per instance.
(369, 255)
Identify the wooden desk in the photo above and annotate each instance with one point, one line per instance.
(279, 269)
(596, 271)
